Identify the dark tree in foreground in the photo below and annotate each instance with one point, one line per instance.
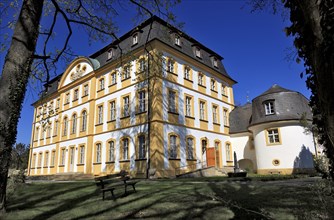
(96, 17)
(313, 31)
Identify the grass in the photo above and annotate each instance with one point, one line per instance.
(200, 198)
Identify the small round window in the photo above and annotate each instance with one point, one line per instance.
(276, 162)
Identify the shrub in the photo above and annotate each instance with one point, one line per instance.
(321, 165)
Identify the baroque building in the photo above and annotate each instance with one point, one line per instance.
(154, 100)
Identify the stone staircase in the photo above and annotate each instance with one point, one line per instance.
(206, 172)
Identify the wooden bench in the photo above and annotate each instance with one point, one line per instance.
(113, 181)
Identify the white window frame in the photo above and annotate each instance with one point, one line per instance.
(202, 110)
(82, 154)
(142, 146)
(273, 136)
(98, 153)
(125, 148)
(142, 101)
(214, 114)
(190, 148)
(170, 65)
(85, 90)
(84, 121)
(172, 147)
(126, 106)
(269, 107)
(112, 110)
(172, 101)
(126, 72)
(100, 114)
(135, 39)
(111, 152)
(188, 106)
(177, 40)
(101, 84)
(187, 73)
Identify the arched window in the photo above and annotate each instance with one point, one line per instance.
(228, 149)
(125, 149)
(190, 148)
(172, 147)
(74, 124)
(142, 147)
(65, 126)
(111, 151)
(98, 153)
(84, 121)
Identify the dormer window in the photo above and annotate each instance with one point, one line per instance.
(215, 62)
(213, 85)
(177, 40)
(170, 66)
(187, 73)
(135, 39)
(198, 52)
(269, 107)
(110, 54)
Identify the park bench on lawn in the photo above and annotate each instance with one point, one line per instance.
(111, 182)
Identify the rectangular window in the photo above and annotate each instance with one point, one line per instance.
(200, 79)
(110, 54)
(48, 131)
(46, 159)
(273, 136)
(134, 39)
(126, 106)
(213, 85)
(58, 103)
(187, 73)
(85, 90)
(84, 121)
(198, 52)
(171, 101)
(112, 110)
(113, 78)
(101, 84)
(225, 116)
(177, 40)
(82, 155)
(53, 157)
(170, 66)
(75, 94)
(126, 72)
(142, 65)
(142, 101)
(43, 133)
(125, 148)
(214, 114)
(172, 147)
(111, 152)
(224, 90)
(62, 158)
(142, 147)
(67, 98)
(269, 108)
(98, 153)
(100, 114)
(202, 110)
(188, 106)
(36, 134)
(215, 62)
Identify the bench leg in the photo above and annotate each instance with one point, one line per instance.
(134, 189)
(103, 195)
(112, 193)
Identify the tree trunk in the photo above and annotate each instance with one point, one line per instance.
(13, 83)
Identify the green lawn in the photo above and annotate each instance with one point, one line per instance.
(201, 198)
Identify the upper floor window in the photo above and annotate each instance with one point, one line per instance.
(53, 157)
(57, 103)
(202, 110)
(188, 106)
(142, 101)
(84, 121)
(171, 101)
(100, 114)
(48, 131)
(215, 62)
(112, 110)
(62, 157)
(65, 126)
(269, 107)
(126, 72)
(273, 136)
(177, 40)
(214, 114)
(224, 90)
(85, 90)
(142, 65)
(200, 79)
(135, 39)
(67, 98)
(110, 54)
(126, 106)
(213, 85)
(75, 94)
(198, 52)
(225, 116)
(187, 73)
(170, 65)
(101, 84)
(113, 78)
(55, 130)
(74, 124)
(142, 147)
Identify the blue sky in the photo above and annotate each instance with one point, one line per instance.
(254, 47)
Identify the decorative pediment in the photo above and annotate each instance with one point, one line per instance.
(77, 69)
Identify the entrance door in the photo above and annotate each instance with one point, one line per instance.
(210, 157)
(71, 159)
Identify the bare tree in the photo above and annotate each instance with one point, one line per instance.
(22, 61)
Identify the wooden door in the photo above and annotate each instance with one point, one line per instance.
(210, 157)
